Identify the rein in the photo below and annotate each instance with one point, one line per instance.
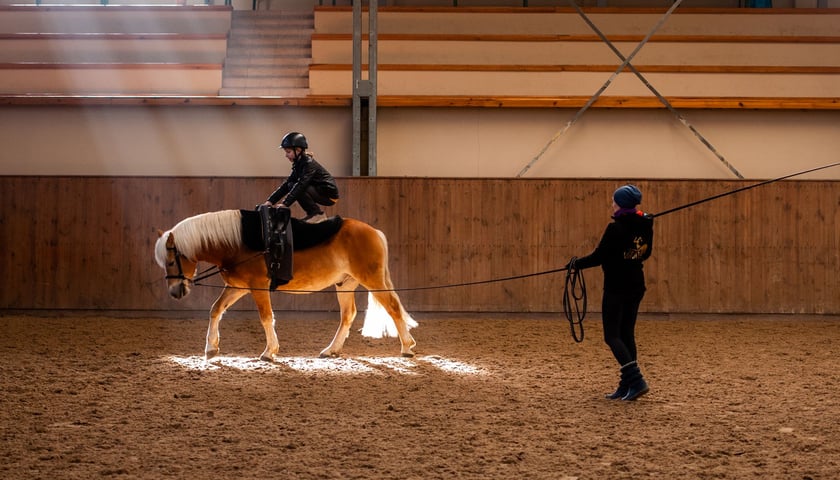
(208, 272)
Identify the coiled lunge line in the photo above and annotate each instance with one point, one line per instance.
(575, 299)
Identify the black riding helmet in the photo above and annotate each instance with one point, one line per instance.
(294, 140)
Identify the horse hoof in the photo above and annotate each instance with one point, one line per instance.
(267, 358)
(408, 354)
(328, 354)
(209, 354)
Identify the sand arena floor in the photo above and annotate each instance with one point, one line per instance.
(489, 396)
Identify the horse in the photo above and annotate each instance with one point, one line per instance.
(356, 255)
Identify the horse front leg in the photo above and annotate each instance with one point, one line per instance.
(272, 346)
(228, 297)
(347, 305)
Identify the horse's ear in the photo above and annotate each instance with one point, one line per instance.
(170, 240)
(159, 232)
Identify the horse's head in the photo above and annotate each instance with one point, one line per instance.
(180, 270)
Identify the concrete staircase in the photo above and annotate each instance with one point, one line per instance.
(268, 54)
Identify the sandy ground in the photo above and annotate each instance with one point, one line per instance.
(488, 396)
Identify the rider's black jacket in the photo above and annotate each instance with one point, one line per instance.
(306, 172)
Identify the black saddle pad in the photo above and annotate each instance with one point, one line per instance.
(306, 235)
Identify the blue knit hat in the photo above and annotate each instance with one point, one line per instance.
(627, 196)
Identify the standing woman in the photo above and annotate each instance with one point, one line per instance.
(626, 243)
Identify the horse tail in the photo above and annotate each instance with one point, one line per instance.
(378, 323)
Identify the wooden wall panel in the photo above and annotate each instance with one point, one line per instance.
(86, 242)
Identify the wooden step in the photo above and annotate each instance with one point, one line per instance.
(267, 61)
(273, 70)
(269, 22)
(268, 54)
(270, 39)
(267, 92)
(265, 81)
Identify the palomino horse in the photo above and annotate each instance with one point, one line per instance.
(356, 255)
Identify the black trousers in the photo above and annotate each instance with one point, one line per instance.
(313, 196)
(619, 312)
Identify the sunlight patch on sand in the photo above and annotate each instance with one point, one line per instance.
(359, 365)
(453, 366)
(325, 365)
(397, 364)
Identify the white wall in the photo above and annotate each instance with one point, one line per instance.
(433, 142)
(181, 141)
(605, 143)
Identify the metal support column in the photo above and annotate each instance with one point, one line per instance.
(364, 93)
(373, 72)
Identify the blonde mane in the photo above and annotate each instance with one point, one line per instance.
(207, 230)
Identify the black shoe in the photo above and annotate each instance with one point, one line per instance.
(619, 392)
(636, 390)
(628, 373)
(315, 218)
(631, 376)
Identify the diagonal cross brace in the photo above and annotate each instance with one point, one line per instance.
(657, 94)
(597, 94)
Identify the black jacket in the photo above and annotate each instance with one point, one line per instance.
(626, 243)
(306, 172)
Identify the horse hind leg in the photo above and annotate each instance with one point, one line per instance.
(390, 301)
(226, 299)
(381, 289)
(347, 305)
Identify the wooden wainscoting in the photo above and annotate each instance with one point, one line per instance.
(86, 242)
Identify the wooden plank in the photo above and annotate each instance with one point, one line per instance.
(134, 9)
(563, 81)
(443, 67)
(436, 101)
(777, 103)
(175, 100)
(111, 78)
(570, 10)
(108, 66)
(111, 36)
(543, 38)
(198, 19)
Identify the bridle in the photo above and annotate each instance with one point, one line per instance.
(180, 275)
